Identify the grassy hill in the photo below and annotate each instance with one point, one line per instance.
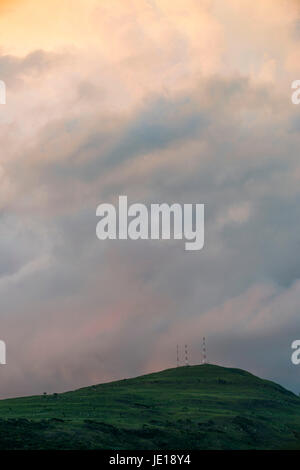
(196, 407)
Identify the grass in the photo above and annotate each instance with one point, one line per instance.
(195, 407)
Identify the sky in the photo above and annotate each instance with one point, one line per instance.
(163, 101)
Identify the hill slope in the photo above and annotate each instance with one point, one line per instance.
(196, 407)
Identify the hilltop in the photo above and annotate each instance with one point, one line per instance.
(195, 407)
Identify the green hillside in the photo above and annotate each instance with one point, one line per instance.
(196, 407)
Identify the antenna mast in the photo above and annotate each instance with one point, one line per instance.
(204, 356)
(186, 355)
(177, 355)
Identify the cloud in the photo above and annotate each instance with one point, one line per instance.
(7, 4)
(173, 108)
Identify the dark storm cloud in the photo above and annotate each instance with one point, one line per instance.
(251, 237)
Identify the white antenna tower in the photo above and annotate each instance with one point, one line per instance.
(186, 355)
(204, 356)
(177, 355)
